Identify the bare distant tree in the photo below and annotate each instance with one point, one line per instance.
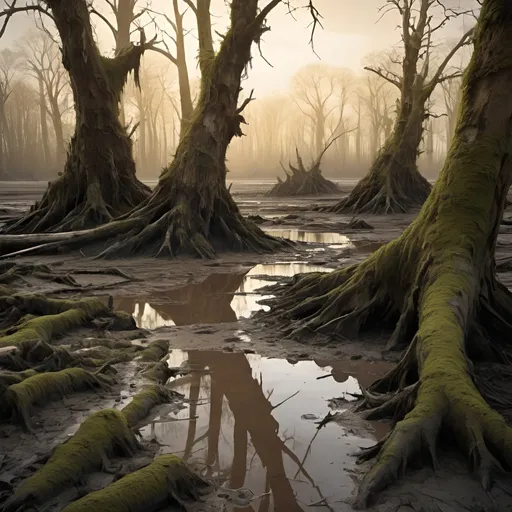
(393, 183)
(44, 62)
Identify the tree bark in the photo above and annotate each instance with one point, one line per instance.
(99, 180)
(448, 309)
(60, 147)
(393, 183)
(190, 210)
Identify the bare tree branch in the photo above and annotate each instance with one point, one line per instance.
(389, 76)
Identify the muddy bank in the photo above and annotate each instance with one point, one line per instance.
(251, 398)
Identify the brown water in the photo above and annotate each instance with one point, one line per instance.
(331, 240)
(254, 426)
(298, 235)
(219, 298)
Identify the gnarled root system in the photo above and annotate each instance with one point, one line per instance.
(432, 390)
(384, 190)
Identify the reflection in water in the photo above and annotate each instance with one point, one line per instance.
(219, 298)
(249, 432)
(298, 235)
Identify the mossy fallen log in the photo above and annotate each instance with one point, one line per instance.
(143, 402)
(8, 378)
(45, 387)
(102, 435)
(155, 351)
(167, 480)
(159, 372)
(44, 328)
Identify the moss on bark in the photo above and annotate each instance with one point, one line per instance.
(143, 402)
(445, 300)
(98, 182)
(155, 351)
(102, 435)
(55, 317)
(191, 210)
(166, 481)
(42, 388)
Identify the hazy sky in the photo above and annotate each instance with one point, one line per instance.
(350, 32)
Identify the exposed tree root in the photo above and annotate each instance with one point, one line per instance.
(144, 401)
(41, 329)
(160, 372)
(155, 351)
(389, 187)
(102, 435)
(166, 481)
(44, 387)
(303, 182)
(165, 225)
(172, 227)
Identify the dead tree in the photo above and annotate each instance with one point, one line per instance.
(393, 183)
(305, 182)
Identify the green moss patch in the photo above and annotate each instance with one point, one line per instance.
(155, 351)
(144, 401)
(99, 437)
(45, 387)
(167, 480)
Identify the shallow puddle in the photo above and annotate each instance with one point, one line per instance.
(253, 426)
(331, 240)
(298, 235)
(219, 298)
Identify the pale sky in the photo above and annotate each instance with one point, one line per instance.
(351, 31)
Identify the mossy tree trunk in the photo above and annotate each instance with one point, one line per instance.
(99, 180)
(191, 210)
(447, 306)
(393, 183)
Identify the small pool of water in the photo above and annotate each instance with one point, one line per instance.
(253, 425)
(298, 235)
(220, 298)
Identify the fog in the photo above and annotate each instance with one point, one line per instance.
(306, 92)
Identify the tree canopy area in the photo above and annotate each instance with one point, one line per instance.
(449, 312)
(393, 183)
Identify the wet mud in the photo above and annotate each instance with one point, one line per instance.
(248, 400)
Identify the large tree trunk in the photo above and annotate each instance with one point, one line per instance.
(190, 210)
(99, 180)
(448, 308)
(393, 183)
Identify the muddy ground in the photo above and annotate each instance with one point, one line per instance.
(251, 397)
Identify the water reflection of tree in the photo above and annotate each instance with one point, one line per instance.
(206, 302)
(231, 376)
